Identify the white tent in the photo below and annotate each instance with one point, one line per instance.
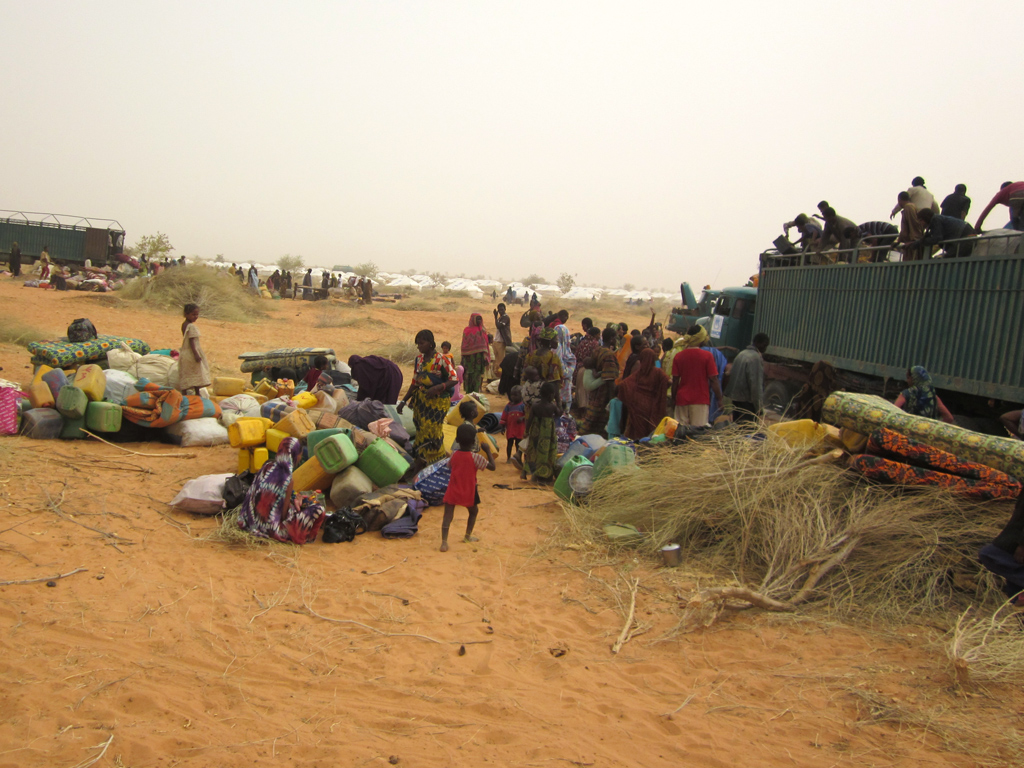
(404, 282)
(553, 289)
(465, 285)
(638, 296)
(488, 283)
(582, 294)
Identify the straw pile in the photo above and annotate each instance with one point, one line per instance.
(219, 296)
(796, 531)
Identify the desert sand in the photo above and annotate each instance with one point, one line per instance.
(169, 649)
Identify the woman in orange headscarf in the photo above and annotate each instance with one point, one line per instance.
(476, 353)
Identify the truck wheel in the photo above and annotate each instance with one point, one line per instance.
(778, 395)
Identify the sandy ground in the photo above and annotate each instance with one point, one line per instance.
(173, 650)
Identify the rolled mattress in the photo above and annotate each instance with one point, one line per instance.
(867, 413)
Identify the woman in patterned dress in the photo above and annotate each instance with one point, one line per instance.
(429, 396)
(271, 510)
(476, 353)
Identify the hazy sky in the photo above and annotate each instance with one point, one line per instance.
(642, 143)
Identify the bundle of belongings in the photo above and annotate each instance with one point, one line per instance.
(892, 446)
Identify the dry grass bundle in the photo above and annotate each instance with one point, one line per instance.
(229, 533)
(332, 316)
(416, 305)
(796, 531)
(219, 296)
(12, 331)
(988, 648)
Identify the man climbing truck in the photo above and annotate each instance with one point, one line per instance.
(959, 318)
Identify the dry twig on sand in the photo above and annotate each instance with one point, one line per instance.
(92, 761)
(627, 628)
(44, 578)
(139, 453)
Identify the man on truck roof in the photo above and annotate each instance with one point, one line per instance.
(956, 204)
(941, 229)
(840, 229)
(1011, 194)
(919, 196)
(878, 234)
(810, 231)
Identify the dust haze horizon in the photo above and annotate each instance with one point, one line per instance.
(645, 143)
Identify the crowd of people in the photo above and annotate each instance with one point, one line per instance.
(309, 287)
(925, 224)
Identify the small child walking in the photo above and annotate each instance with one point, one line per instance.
(513, 421)
(542, 442)
(462, 490)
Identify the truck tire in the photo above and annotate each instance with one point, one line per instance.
(778, 395)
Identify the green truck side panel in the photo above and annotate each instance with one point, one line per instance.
(962, 319)
(65, 243)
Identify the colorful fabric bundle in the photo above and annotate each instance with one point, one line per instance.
(155, 406)
(898, 459)
(62, 354)
(432, 481)
(868, 413)
(275, 410)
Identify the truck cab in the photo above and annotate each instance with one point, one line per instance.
(686, 315)
(731, 322)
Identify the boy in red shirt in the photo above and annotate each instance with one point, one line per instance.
(462, 489)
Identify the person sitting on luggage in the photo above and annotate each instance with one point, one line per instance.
(320, 365)
(462, 486)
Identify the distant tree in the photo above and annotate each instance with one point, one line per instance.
(565, 282)
(154, 246)
(288, 262)
(366, 269)
(437, 279)
(534, 280)
(629, 287)
(341, 268)
(219, 258)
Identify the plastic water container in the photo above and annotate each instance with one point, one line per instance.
(224, 386)
(336, 452)
(40, 396)
(801, 434)
(257, 458)
(382, 463)
(274, 438)
(91, 380)
(55, 379)
(349, 486)
(314, 438)
(72, 429)
(103, 417)
(613, 457)
(667, 427)
(312, 476)
(42, 424)
(584, 445)
(296, 424)
(304, 400)
(563, 484)
(72, 402)
(41, 371)
(244, 460)
(246, 433)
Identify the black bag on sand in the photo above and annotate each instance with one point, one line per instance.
(342, 525)
(82, 329)
(236, 488)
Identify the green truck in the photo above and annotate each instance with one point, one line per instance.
(958, 317)
(69, 239)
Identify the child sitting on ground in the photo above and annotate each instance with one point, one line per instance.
(312, 377)
(542, 443)
(462, 490)
(513, 421)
